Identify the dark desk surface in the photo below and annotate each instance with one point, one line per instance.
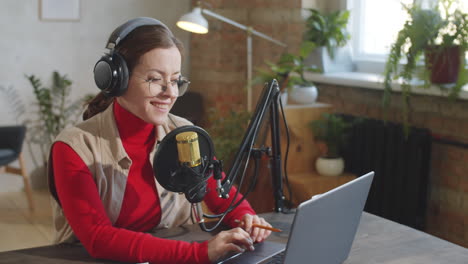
(377, 241)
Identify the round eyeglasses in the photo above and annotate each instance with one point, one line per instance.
(156, 85)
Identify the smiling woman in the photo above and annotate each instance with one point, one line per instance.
(101, 172)
(151, 99)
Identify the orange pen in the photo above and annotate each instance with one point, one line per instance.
(263, 227)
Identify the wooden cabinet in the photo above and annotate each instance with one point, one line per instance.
(306, 185)
(303, 149)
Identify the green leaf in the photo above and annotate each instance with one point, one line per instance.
(327, 30)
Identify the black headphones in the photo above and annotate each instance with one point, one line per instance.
(111, 72)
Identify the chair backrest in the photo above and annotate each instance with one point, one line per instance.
(12, 137)
(190, 106)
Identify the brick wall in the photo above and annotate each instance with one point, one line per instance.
(218, 71)
(219, 59)
(447, 215)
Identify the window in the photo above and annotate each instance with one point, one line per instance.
(374, 26)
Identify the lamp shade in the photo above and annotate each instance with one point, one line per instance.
(194, 22)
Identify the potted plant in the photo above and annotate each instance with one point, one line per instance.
(330, 35)
(290, 72)
(330, 130)
(55, 112)
(440, 35)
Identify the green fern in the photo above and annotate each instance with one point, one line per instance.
(425, 28)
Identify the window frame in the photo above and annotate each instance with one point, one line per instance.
(364, 62)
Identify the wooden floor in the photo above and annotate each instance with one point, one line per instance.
(19, 227)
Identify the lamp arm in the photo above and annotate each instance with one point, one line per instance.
(260, 34)
(224, 19)
(243, 27)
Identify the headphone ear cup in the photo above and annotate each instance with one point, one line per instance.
(111, 74)
(123, 75)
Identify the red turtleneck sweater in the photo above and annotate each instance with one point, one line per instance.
(125, 240)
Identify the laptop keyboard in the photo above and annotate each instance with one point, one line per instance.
(277, 259)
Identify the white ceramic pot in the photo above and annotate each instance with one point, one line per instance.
(284, 98)
(303, 95)
(329, 167)
(341, 63)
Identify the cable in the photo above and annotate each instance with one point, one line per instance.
(286, 154)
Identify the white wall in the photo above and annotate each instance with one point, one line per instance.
(31, 46)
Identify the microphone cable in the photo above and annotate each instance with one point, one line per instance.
(286, 155)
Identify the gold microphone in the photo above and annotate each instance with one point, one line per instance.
(189, 155)
(188, 149)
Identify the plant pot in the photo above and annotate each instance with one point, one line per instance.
(443, 63)
(329, 166)
(341, 63)
(303, 95)
(284, 98)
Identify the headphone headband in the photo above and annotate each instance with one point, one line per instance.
(122, 31)
(111, 73)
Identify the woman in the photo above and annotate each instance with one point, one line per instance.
(101, 172)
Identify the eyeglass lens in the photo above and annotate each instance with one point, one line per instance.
(182, 85)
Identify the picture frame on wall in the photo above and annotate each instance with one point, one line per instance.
(59, 10)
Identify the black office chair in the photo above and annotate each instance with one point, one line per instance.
(190, 106)
(11, 143)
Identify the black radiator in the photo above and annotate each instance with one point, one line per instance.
(401, 165)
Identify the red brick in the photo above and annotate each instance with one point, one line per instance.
(449, 199)
(449, 181)
(435, 123)
(418, 119)
(452, 126)
(465, 223)
(464, 183)
(464, 204)
(463, 133)
(209, 63)
(449, 177)
(455, 225)
(261, 3)
(374, 112)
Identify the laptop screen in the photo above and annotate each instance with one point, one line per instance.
(323, 229)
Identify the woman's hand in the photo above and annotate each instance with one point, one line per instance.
(257, 234)
(229, 242)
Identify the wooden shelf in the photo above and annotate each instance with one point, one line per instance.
(303, 150)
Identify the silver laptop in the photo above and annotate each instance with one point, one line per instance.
(323, 229)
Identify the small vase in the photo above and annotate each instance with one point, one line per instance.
(303, 95)
(342, 62)
(284, 98)
(329, 166)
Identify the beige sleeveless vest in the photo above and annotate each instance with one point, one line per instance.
(98, 143)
